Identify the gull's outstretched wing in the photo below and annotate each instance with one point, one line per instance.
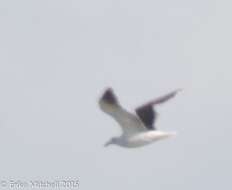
(146, 112)
(129, 123)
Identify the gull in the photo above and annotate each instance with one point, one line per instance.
(137, 129)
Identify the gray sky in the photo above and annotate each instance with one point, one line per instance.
(56, 58)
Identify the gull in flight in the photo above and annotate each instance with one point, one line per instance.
(137, 129)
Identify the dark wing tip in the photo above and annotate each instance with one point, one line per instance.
(109, 96)
(164, 98)
(147, 115)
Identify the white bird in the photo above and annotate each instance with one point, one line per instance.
(137, 129)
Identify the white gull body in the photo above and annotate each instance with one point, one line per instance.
(137, 129)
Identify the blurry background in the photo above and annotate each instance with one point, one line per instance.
(57, 57)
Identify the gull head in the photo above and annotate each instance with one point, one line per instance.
(112, 141)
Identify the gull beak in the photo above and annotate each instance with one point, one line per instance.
(107, 143)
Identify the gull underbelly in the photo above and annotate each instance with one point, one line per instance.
(145, 138)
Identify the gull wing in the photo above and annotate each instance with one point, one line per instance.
(129, 123)
(147, 113)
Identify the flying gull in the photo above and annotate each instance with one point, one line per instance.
(137, 129)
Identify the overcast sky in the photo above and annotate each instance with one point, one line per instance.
(57, 57)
